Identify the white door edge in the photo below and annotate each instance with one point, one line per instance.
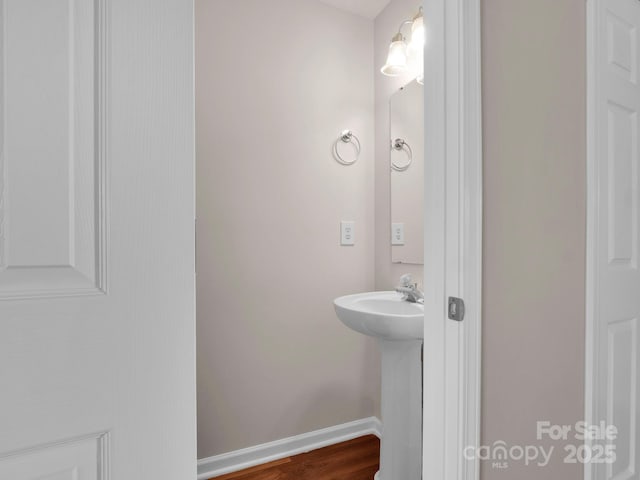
(453, 238)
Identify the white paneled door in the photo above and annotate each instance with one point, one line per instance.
(97, 337)
(613, 289)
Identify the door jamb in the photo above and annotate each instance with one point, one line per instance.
(453, 238)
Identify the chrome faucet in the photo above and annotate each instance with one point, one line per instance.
(409, 291)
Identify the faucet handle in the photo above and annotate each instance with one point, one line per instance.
(405, 280)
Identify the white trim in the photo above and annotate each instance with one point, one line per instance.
(591, 284)
(472, 209)
(268, 452)
(453, 237)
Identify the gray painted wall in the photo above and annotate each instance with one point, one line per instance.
(276, 82)
(534, 224)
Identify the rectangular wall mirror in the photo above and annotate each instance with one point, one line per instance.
(406, 161)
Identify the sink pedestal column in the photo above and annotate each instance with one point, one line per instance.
(401, 444)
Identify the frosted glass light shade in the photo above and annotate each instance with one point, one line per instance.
(418, 32)
(396, 60)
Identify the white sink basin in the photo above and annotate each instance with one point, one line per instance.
(382, 314)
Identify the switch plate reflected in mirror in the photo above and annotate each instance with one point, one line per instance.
(406, 162)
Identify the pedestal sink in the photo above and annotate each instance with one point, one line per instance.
(399, 326)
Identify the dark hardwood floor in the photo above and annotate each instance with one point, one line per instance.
(356, 459)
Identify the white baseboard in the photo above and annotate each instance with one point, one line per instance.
(269, 452)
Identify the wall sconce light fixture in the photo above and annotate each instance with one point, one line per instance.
(401, 54)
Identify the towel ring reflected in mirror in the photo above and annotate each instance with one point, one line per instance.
(346, 136)
(400, 145)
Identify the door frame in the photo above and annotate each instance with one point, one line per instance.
(453, 238)
(592, 174)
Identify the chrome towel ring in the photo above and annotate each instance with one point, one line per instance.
(346, 136)
(400, 145)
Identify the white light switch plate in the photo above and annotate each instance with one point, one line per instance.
(397, 234)
(347, 233)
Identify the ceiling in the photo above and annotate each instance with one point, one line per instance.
(365, 8)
